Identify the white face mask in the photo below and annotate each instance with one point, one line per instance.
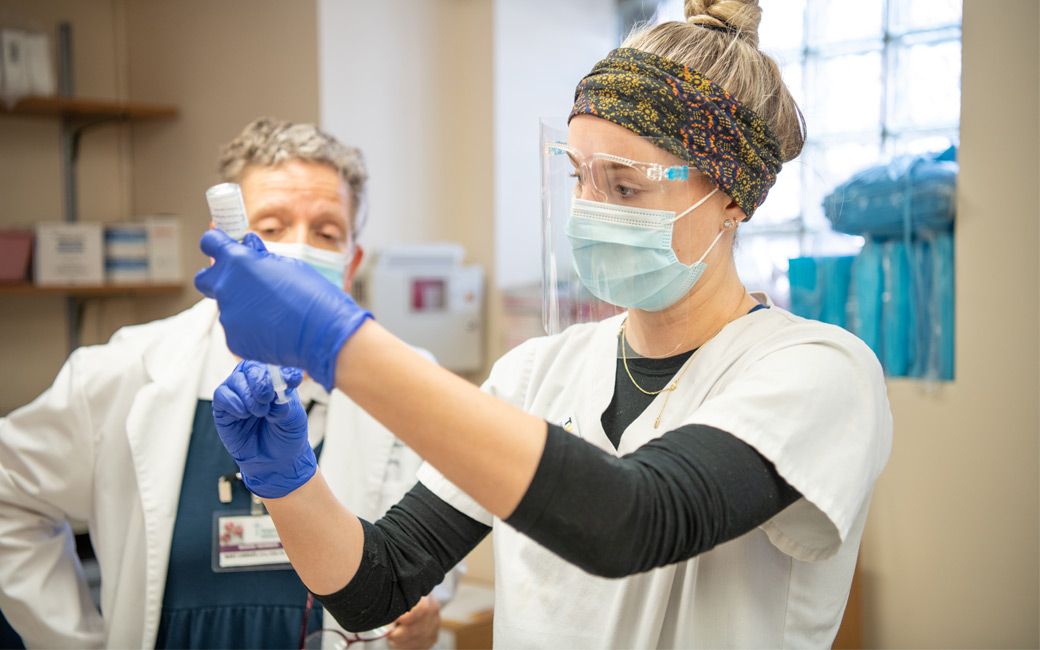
(623, 255)
(330, 264)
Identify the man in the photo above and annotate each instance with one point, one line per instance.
(124, 439)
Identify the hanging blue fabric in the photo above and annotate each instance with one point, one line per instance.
(901, 285)
(943, 297)
(923, 265)
(895, 310)
(820, 288)
(865, 294)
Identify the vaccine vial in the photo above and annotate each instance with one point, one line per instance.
(227, 209)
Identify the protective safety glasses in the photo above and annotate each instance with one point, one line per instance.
(610, 178)
(329, 639)
(333, 639)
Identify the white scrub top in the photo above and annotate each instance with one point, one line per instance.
(808, 396)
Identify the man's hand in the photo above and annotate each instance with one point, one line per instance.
(417, 628)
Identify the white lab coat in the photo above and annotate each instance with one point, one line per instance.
(808, 396)
(106, 444)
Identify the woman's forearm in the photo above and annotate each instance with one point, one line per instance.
(487, 448)
(322, 538)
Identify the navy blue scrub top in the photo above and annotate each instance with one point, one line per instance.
(237, 609)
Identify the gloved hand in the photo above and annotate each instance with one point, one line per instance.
(266, 439)
(277, 309)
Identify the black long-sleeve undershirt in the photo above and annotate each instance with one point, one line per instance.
(407, 553)
(670, 500)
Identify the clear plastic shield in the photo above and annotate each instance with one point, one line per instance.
(625, 228)
(565, 300)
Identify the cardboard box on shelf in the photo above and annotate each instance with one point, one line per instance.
(126, 253)
(69, 253)
(164, 248)
(15, 255)
(26, 66)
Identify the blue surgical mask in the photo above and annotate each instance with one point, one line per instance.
(624, 255)
(329, 263)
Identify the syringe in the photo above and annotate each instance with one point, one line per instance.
(228, 211)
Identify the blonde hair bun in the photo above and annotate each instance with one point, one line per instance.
(719, 39)
(738, 16)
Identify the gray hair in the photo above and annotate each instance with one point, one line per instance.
(269, 142)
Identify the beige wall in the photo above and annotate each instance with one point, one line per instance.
(950, 553)
(221, 64)
(423, 116)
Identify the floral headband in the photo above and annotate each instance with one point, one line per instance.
(688, 115)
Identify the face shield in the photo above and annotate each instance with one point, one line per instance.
(621, 231)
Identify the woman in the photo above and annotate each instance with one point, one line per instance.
(693, 472)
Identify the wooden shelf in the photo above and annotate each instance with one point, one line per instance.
(76, 116)
(87, 108)
(89, 291)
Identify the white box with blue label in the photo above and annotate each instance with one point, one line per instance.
(69, 253)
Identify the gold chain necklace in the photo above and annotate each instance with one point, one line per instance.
(675, 382)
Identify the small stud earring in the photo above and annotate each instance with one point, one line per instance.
(727, 224)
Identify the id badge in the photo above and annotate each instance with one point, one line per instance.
(246, 541)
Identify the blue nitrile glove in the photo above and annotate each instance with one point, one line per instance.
(277, 309)
(268, 440)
